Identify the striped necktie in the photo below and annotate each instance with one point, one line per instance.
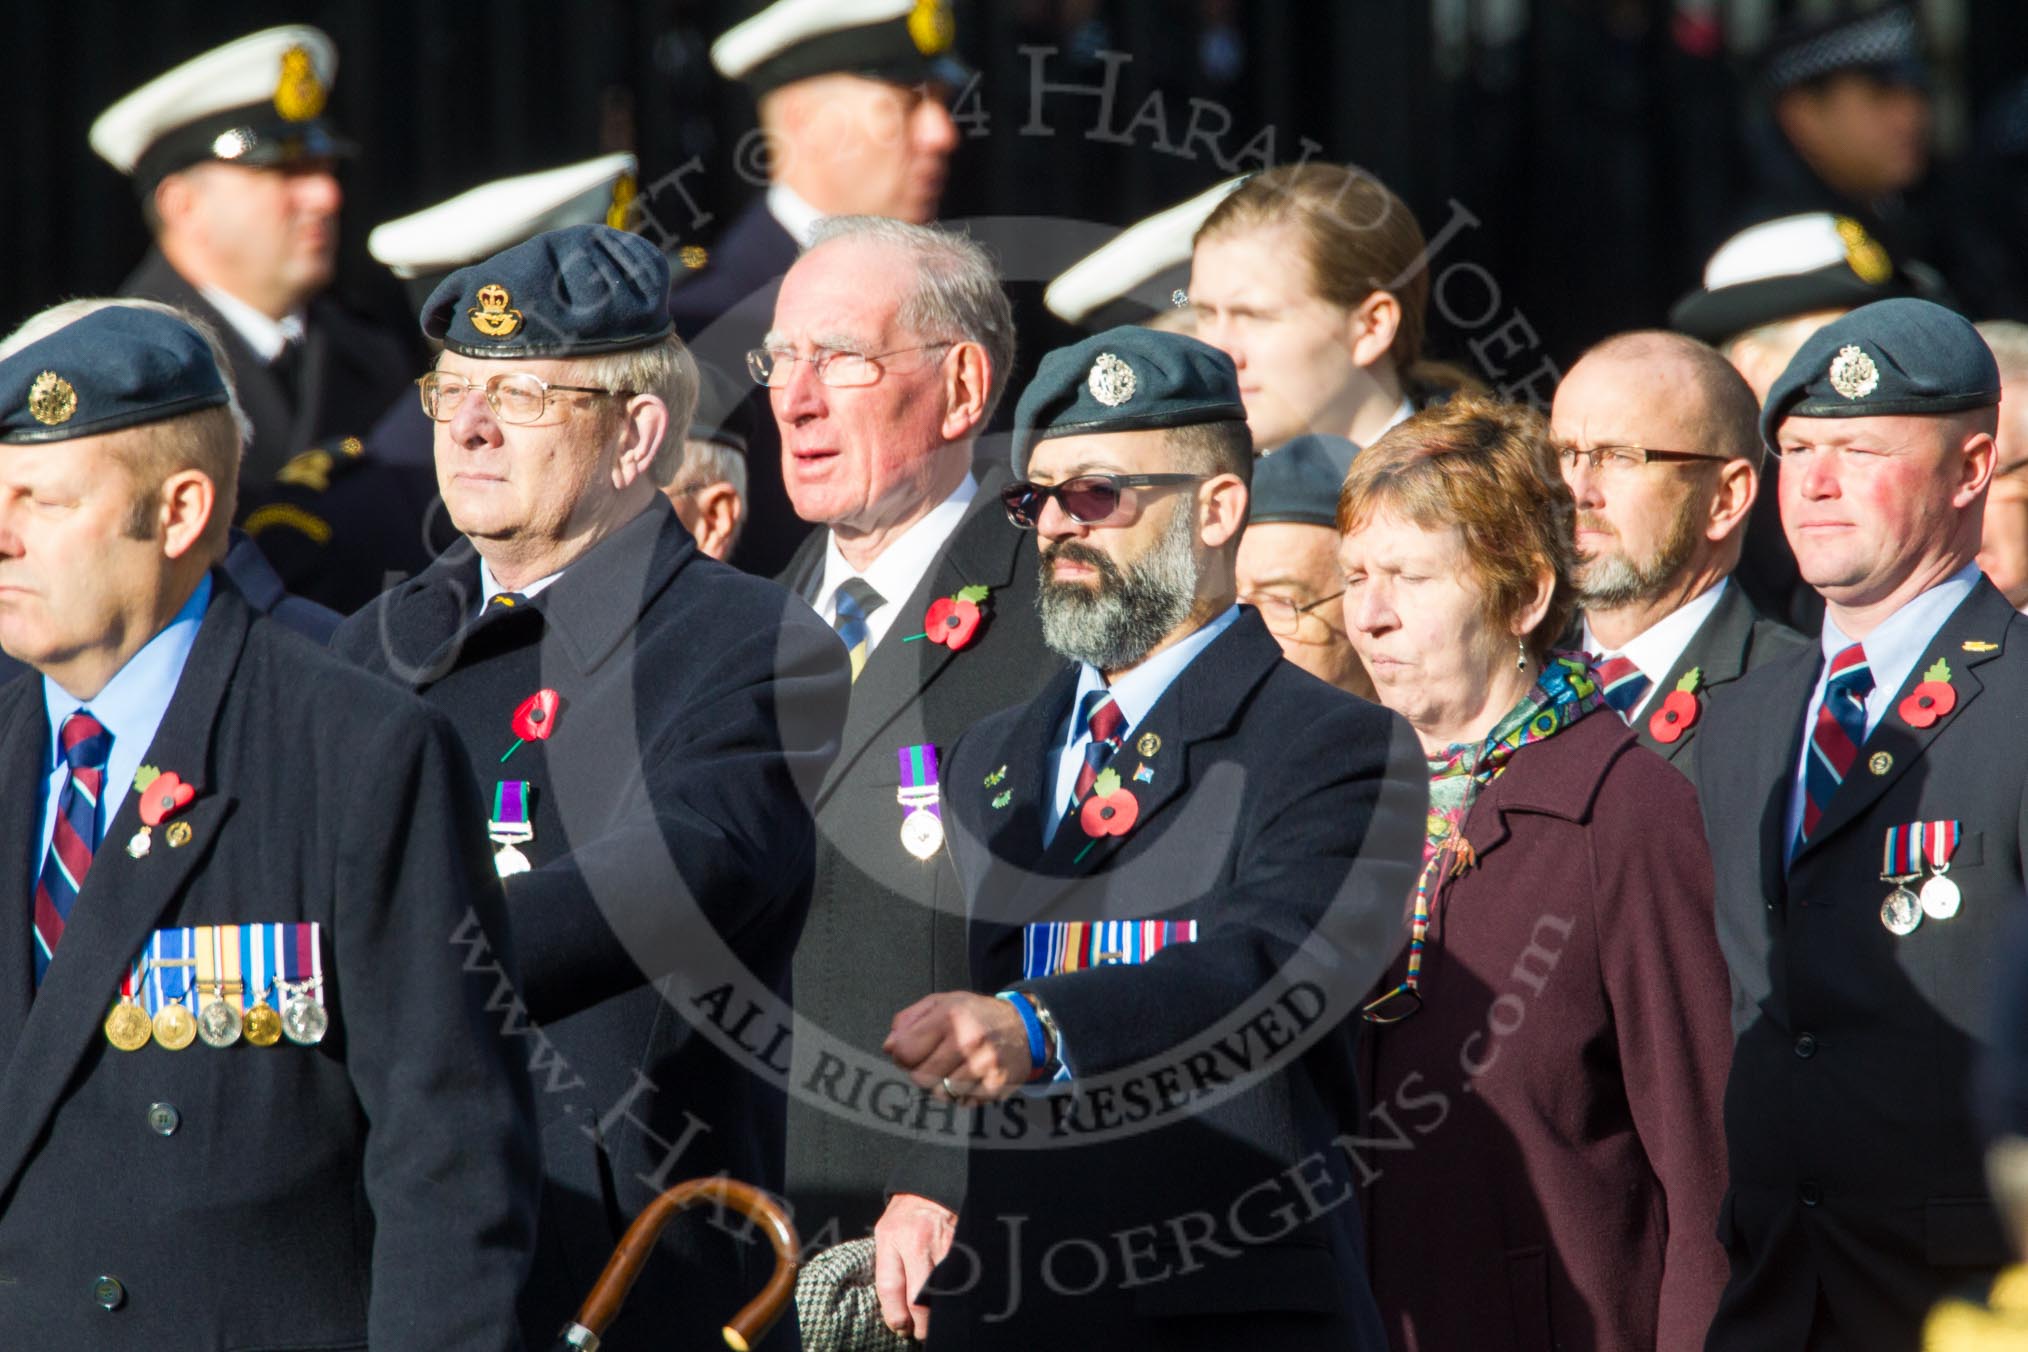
(84, 744)
(1623, 684)
(1840, 731)
(856, 600)
(1104, 722)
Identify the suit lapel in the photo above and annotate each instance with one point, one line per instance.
(1717, 651)
(1775, 749)
(24, 732)
(983, 551)
(1983, 616)
(123, 897)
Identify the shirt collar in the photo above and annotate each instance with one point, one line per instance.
(1897, 642)
(1657, 649)
(489, 586)
(267, 337)
(132, 704)
(794, 213)
(1139, 690)
(1401, 415)
(900, 568)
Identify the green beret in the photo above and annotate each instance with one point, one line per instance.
(1892, 357)
(1127, 379)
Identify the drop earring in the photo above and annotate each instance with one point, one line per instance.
(1520, 655)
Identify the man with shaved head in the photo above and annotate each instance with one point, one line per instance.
(1657, 439)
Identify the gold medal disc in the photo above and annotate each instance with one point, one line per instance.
(262, 1025)
(175, 1028)
(127, 1027)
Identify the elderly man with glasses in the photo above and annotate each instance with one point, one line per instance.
(1288, 558)
(1658, 442)
(645, 725)
(890, 345)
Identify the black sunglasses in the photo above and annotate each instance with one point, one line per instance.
(1089, 499)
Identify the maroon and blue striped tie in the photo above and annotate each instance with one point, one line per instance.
(1105, 721)
(1840, 731)
(84, 745)
(1623, 684)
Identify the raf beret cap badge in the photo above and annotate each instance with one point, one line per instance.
(1111, 381)
(51, 399)
(491, 316)
(1853, 373)
(113, 368)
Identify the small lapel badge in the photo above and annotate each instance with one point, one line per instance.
(1149, 744)
(1880, 763)
(142, 841)
(996, 776)
(179, 835)
(1143, 775)
(1979, 645)
(1002, 798)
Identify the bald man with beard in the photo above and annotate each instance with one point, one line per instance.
(1656, 436)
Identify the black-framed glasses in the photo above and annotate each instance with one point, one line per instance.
(775, 367)
(1283, 617)
(514, 396)
(1621, 457)
(1089, 499)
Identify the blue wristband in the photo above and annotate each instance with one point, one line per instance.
(1038, 1046)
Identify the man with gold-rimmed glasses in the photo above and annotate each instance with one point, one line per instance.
(1656, 437)
(643, 723)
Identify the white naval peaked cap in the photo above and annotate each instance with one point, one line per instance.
(1132, 257)
(243, 73)
(1778, 248)
(481, 221)
(786, 23)
(905, 42)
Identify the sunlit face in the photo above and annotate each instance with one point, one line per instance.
(1417, 617)
(860, 458)
(1637, 526)
(74, 577)
(1865, 136)
(1865, 501)
(1297, 563)
(523, 485)
(270, 234)
(1253, 298)
(867, 147)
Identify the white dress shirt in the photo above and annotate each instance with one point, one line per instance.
(793, 213)
(489, 586)
(900, 568)
(1892, 650)
(1136, 693)
(1657, 649)
(267, 337)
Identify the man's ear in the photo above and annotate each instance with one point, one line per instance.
(642, 430)
(184, 504)
(968, 378)
(1738, 486)
(1222, 502)
(1372, 327)
(719, 515)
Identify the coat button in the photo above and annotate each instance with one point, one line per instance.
(108, 1294)
(163, 1119)
(1806, 1046)
(1811, 1194)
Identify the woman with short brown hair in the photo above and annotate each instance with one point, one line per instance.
(1553, 1043)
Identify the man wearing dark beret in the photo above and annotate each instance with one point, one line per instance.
(1152, 868)
(1288, 557)
(254, 1098)
(1870, 833)
(643, 724)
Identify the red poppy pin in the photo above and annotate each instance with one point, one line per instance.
(1679, 710)
(163, 794)
(954, 620)
(1932, 699)
(534, 719)
(1111, 810)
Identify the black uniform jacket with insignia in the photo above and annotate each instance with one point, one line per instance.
(877, 911)
(722, 310)
(375, 1189)
(1856, 1180)
(347, 371)
(1733, 640)
(1283, 817)
(672, 850)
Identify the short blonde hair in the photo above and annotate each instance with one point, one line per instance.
(1488, 469)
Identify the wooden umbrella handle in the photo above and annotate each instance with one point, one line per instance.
(753, 1320)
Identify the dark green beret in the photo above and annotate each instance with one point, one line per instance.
(1127, 379)
(1299, 481)
(1890, 358)
(116, 367)
(574, 292)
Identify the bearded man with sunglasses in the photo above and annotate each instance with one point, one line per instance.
(1180, 862)
(889, 348)
(1658, 439)
(644, 724)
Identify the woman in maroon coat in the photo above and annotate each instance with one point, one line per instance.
(1542, 1160)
